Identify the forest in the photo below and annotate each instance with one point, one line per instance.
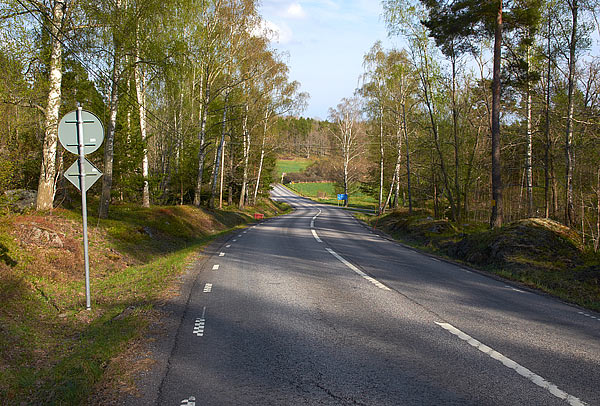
(487, 113)
(188, 92)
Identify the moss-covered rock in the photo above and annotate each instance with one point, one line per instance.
(528, 242)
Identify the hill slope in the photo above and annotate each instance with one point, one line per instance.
(52, 351)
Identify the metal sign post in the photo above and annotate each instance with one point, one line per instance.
(88, 300)
(73, 138)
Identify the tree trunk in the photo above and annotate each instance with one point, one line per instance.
(529, 157)
(457, 192)
(222, 175)
(203, 112)
(547, 128)
(497, 206)
(47, 181)
(109, 142)
(396, 177)
(246, 139)
(408, 186)
(569, 158)
(140, 88)
(346, 171)
(381, 161)
(435, 133)
(230, 176)
(215, 176)
(597, 241)
(262, 156)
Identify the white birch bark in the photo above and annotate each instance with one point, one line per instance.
(140, 89)
(107, 178)
(48, 178)
(246, 146)
(262, 156)
(529, 156)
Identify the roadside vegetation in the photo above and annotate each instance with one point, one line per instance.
(53, 351)
(538, 253)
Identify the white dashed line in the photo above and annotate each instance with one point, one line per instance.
(222, 254)
(312, 221)
(514, 289)
(589, 315)
(521, 370)
(228, 246)
(358, 271)
(208, 288)
(191, 401)
(314, 233)
(215, 267)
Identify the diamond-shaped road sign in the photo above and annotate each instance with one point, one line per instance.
(93, 132)
(92, 174)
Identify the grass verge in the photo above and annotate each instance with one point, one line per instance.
(54, 352)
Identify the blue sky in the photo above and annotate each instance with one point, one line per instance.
(325, 41)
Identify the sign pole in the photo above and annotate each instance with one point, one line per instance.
(88, 304)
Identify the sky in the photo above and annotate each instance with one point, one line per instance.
(325, 42)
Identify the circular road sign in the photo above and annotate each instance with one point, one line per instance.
(93, 132)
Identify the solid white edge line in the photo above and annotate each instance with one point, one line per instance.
(521, 370)
(358, 271)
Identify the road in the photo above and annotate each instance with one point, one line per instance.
(312, 308)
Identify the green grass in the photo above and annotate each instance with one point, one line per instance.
(326, 193)
(52, 350)
(291, 165)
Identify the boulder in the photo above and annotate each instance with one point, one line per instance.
(21, 200)
(41, 236)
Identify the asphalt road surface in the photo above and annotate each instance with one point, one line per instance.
(313, 308)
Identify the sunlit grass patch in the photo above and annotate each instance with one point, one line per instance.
(291, 165)
(326, 192)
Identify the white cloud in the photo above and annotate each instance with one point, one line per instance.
(295, 10)
(273, 32)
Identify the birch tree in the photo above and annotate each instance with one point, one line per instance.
(346, 131)
(56, 13)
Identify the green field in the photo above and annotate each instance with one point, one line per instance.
(291, 165)
(327, 193)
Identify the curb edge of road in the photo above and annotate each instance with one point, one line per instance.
(468, 267)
